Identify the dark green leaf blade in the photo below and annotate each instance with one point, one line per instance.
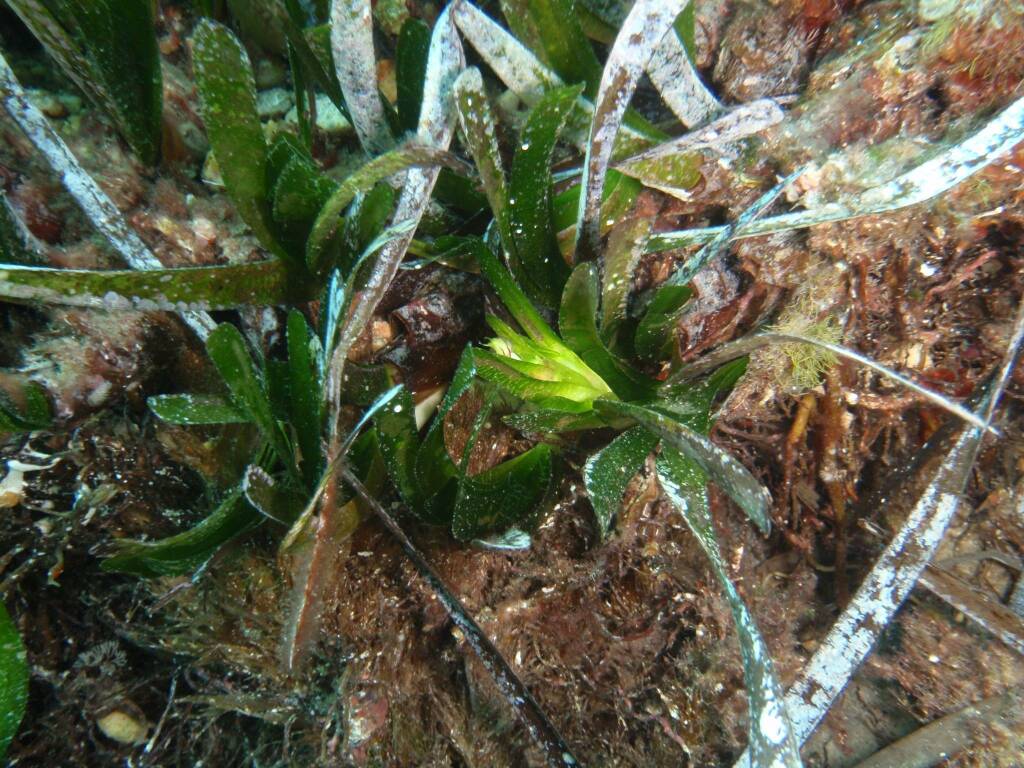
(577, 321)
(119, 36)
(399, 444)
(725, 471)
(305, 395)
(771, 736)
(227, 99)
(273, 500)
(512, 295)
(410, 71)
(536, 257)
(184, 552)
(109, 49)
(502, 496)
(329, 220)
(553, 30)
(654, 331)
(13, 680)
(36, 413)
(196, 409)
(621, 258)
(248, 389)
(300, 191)
(607, 473)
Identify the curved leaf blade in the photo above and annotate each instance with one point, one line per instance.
(184, 552)
(196, 409)
(227, 101)
(328, 220)
(608, 472)
(536, 258)
(502, 496)
(654, 331)
(771, 736)
(725, 471)
(13, 679)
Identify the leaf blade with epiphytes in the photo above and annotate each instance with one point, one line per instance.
(227, 102)
(502, 496)
(230, 355)
(724, 470)
(14, 676)
(328, 220)
(770, 734)
(214, 287)
(191, 409)
(608, 472)
(531, 213)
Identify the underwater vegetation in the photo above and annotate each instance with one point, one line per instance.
(460, 267)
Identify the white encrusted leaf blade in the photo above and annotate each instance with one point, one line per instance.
(356, 67)
(676, 79)
(924, 182)
(643, 28)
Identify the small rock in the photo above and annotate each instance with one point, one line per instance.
(273, 103)
(268, 74)
(47, 103)
(123, 728)
(71, 102)
(211, 171)
(328, 117)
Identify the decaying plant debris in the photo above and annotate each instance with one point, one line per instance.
(558, 226)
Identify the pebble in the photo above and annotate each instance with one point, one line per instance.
(47, 103)
(123, 728)
(211, 171)
(268, 74)
(328, 117)
(273, 103)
